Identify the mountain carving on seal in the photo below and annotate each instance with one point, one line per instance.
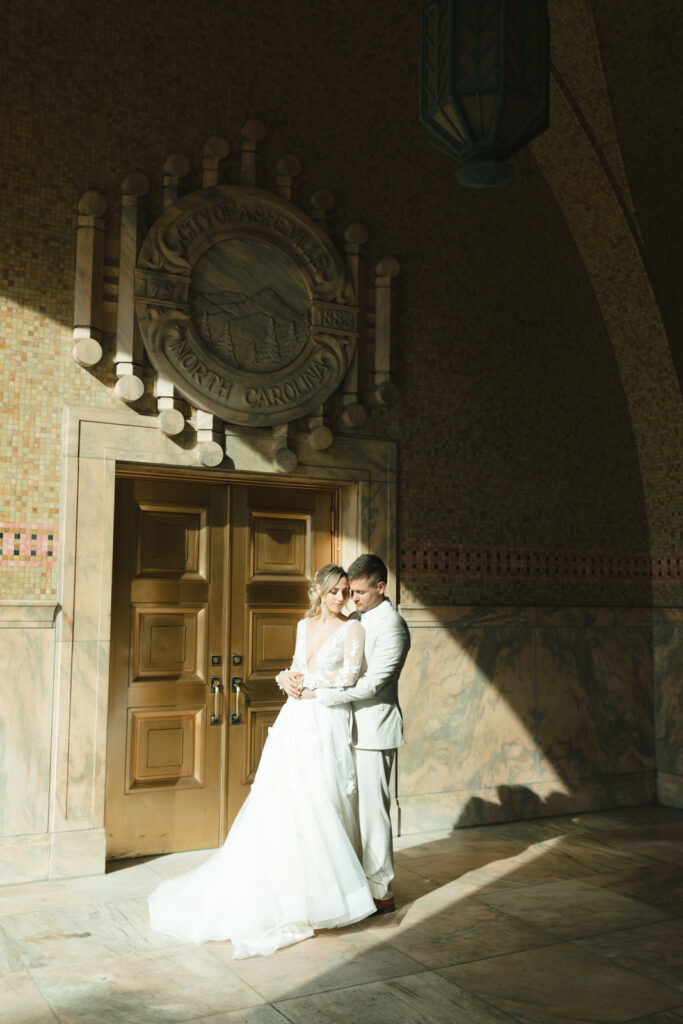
(250, 325)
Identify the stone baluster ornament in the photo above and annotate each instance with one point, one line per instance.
(214, 150)
(128, 358)
(171, 420)
(288, 168)
(210, 433)
(176, 167)
(87, 350)
(319, 434)
(322, 201)
(285, 459)
(386, 392)
(355, 236)
(253, 133)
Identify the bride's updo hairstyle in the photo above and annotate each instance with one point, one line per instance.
(325, 579)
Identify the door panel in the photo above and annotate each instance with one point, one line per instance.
(280, 546)
(165, 761)
(165, 748)
(169, 644)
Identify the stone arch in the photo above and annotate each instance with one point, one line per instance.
(581, 161)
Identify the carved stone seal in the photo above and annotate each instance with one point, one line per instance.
(245, 305)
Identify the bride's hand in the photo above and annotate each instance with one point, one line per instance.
(291, 683)
(307, 694)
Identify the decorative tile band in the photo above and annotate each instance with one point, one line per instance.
(28, 544)
(36, 544)
(482, 563)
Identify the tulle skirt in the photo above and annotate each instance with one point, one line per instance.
(290, 862)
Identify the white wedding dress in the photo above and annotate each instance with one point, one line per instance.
(290, 862)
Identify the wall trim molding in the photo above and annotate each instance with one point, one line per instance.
(28, 614)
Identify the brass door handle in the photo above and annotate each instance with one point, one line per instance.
(216, 690)
(237, 689)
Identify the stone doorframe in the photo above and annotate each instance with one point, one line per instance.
(94, 441)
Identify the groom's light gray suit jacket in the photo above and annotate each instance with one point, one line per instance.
(378, 724)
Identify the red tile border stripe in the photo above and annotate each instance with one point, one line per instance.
(28, 544)
(489, 563)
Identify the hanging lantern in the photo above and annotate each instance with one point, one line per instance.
(484, 72)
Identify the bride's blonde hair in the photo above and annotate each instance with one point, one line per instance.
(323, 581)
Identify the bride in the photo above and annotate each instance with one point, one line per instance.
(290, 862)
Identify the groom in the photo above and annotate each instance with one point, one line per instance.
(378, 725)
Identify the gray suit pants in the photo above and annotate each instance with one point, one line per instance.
(374, 772)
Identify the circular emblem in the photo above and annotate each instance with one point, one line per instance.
(244, 304)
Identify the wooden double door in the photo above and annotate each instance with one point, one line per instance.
(210, 579)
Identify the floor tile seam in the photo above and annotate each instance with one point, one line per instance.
(281, 1012)
(236, 1009)
(552, 940)
(648, 859)
(630, 928)
(257, 995)
(631, 970)
(25, 966)
(477, 995)
(344, 988)
(203, 948)
(416, 968)
(513, 917)
(626, 873)
(43, 996)
(580, 879)
(65, 906)
(556, 941)
(87, 959)
(493, 880)
(615, 931)
(517, 920)
(407, 851)
(514, 886)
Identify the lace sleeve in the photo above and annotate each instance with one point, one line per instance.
(348, 672)
(299, 657)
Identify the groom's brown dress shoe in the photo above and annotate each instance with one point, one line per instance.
(385, 906)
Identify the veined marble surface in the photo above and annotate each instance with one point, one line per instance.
(668, 646)
(26, 656)
(521, 712)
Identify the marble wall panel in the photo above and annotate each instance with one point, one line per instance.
(468, 702)
(87, 735)
(26, 656)
(516, 713)
(424, 812)
(78, 852)
(668, 698)
(92, 592)
(24, 858)
(595, 692)
(670, 789)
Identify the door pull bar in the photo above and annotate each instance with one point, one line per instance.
(216, 690)
(236, 688)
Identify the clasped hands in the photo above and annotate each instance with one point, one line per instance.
(293, 684)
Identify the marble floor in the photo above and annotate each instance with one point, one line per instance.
(554, 921)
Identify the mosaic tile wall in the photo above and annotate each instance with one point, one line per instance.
(514, 429)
